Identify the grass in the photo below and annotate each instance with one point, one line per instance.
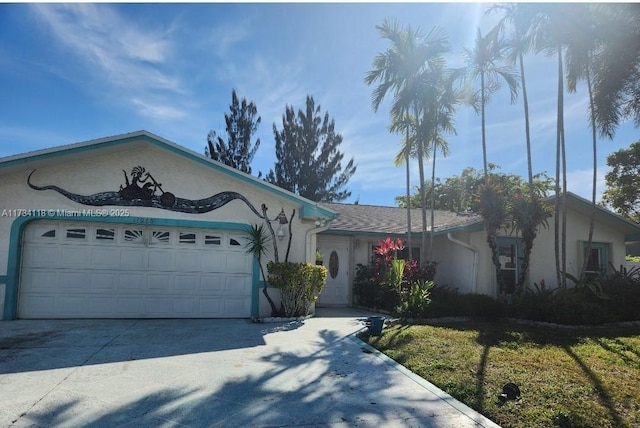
(568, 377)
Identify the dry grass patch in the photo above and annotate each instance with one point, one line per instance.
(568, 377)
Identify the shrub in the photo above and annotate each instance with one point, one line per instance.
(380, 285)
(447, 302)
(299, 285)
(415, 300)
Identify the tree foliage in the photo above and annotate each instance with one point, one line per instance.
(308, 156)
(241, 124)
(623, 182)
(460, 193)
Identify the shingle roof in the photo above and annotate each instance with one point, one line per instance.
(393, 220)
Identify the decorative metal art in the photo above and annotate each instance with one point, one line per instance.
(334, 264)
(141, 189)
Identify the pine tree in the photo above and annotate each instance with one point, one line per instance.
(242, 123)
(308, 160)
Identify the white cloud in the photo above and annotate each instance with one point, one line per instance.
(580, 182)
(117, 57)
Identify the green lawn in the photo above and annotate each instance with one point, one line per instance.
(568, 377)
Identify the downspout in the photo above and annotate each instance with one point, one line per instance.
(476, 259)
(321, 226)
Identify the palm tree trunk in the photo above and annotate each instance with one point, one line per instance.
(484, 141)
(433, 200)
(594, 142)
(526, 124)
(406, 160)
(423, 201)
(556, 216)
(564, 182)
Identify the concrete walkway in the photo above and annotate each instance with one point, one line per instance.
(209, 373)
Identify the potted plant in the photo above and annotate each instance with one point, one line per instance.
(319, 257)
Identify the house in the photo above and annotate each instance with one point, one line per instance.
(135, 226)
(461, 250)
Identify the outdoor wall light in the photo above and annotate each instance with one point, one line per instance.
(282, 220)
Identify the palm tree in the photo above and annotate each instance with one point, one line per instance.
(482, 62)
(408, 67)
(616, 66)
(528, 213)
(550, 32)
(391, 69)
(579, 51)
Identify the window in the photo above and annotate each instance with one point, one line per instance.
(133, 236)
(212, 240)
(187, 238)
(233, 242)
(76, 233)
(597, 260)
(160, 236)
(49, 234)
(510, 256)
(105, 234)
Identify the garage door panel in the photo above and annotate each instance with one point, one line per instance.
(38, 280)
(237, 285)
(187, 283)
(237, 263)
(161, 260)
(133, 258)
(102, 281)
(40, 255)
(70, 304)
(211, 283)
(105, 258)
(160, 283)
(71, 257)
(213, 262)
(132, 282)
(72, 281)
(189, 261)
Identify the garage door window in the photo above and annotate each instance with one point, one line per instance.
(105, 234)
(160, 237)
(187, 238)
(212, 240)
(49, 234)
(133, 235)
(76, 233)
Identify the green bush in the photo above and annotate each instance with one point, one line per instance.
(414, 300)
(299, 285)
(447, 302)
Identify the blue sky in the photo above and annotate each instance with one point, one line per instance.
(71, 73)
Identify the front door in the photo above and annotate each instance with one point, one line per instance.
(336, 260)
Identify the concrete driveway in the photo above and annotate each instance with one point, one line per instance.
(205, 373)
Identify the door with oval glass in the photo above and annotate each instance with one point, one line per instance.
(336, 260)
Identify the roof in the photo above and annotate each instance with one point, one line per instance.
(32, 160)
(380, 220)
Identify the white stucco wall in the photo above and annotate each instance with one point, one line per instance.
(100, 170)
(542, 264)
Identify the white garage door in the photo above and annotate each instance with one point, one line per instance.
(94, 270)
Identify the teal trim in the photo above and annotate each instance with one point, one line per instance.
(603, 255)
(12, 279)
(308, 208)
(3, 279)
(621, 221)
(518, 242)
